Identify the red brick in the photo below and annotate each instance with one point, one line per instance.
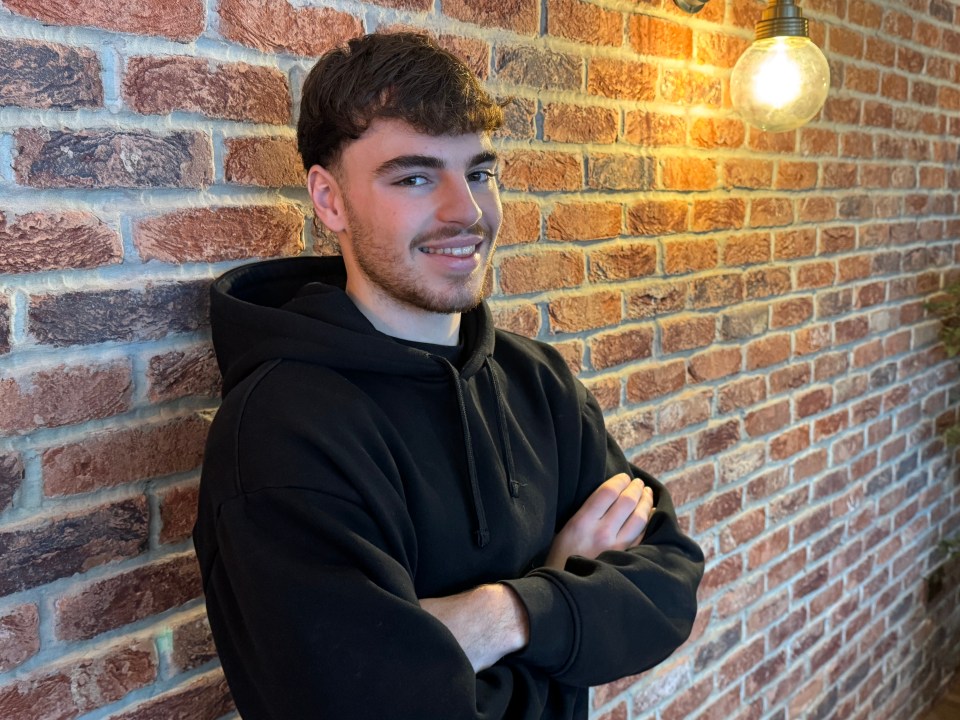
(785, 142)
(626, 261)
(578, 124)
(654, 299)
(662, 38)
(816, 209)
(713, 441)
(741, 394)
(790, 443)
(719, 290)
(789, 378)
(524, 274)
(747, 173)
(771, 212)
(632, 429)
(719, 49)
(621, 79)
(811, 339)
(743, 322)
(721, 574)
(276, 26)
(663, 457)
(680, 412)
(688, 173)
(575, 313)
(787, 313)
(178, 512)
(121, 456)
(768, 419)
(689, 255)
(606, 391)
(81, 318)
(35, 242)
(118, 600)
(767, 351)
(182, 373)
(534, 170)
(718, 215)
(112, 159)
(792, 244)
(656, 381)
(534, 67)
(192, 645)
(224, 233)
(687, 333)
(473, 51)
(233, 91)
(11, 478)
(46, 75)
(691, 484)
(264, 162)
(710, 132)
(572, 353)
(764, 282)
(64, 395)
(620, 172)
(651, 129)
(584, 22)
(617, 348)
(715, 364)
(206, 698)
(181, 21)
(813, 402)
(41, 552)
(519, 118)
(20, 630)
(689, 701)
(747, 249)
(657, 217)
(583, 221)
(690, 87)
(522, 320)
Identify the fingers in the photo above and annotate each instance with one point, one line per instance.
(605, 496)
(633, 528)
(623, 511)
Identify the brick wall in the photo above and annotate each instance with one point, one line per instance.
(748, 308)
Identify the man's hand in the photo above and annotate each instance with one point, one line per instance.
(488, 621)
(614, 517)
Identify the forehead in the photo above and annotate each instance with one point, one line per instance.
(388, 138)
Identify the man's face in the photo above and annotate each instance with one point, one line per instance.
(422, 216)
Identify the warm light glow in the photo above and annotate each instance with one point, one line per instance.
(780, 83)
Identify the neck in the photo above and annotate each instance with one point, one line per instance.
(406, 322)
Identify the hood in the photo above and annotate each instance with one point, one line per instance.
(296, 309)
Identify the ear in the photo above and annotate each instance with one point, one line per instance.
(327, 198)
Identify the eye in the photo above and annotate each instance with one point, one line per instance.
(411, 181)
(483, 176)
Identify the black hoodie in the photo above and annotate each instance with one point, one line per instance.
(348, 474)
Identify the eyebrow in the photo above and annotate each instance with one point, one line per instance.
(406, 162)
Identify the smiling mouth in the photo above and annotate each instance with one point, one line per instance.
(455, 252)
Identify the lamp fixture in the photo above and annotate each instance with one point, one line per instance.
(782, 79)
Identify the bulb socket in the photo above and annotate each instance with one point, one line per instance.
(782, 18)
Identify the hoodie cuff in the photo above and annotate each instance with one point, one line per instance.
(554, 630)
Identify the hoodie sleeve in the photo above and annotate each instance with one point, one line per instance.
(307, 571)
(624, 612)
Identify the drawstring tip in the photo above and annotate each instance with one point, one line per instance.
(514, 489)
(483, 537)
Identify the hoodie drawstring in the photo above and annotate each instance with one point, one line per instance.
(483, 530)
(504, 437)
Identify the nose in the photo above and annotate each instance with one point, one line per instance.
(457, 204)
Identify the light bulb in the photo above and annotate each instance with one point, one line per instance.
(780, 83)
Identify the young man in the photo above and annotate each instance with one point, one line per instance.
(405, 513)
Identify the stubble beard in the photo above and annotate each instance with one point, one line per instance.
(392, 279)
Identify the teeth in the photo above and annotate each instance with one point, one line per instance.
(456, 252)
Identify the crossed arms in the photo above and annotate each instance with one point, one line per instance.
(490, 621)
